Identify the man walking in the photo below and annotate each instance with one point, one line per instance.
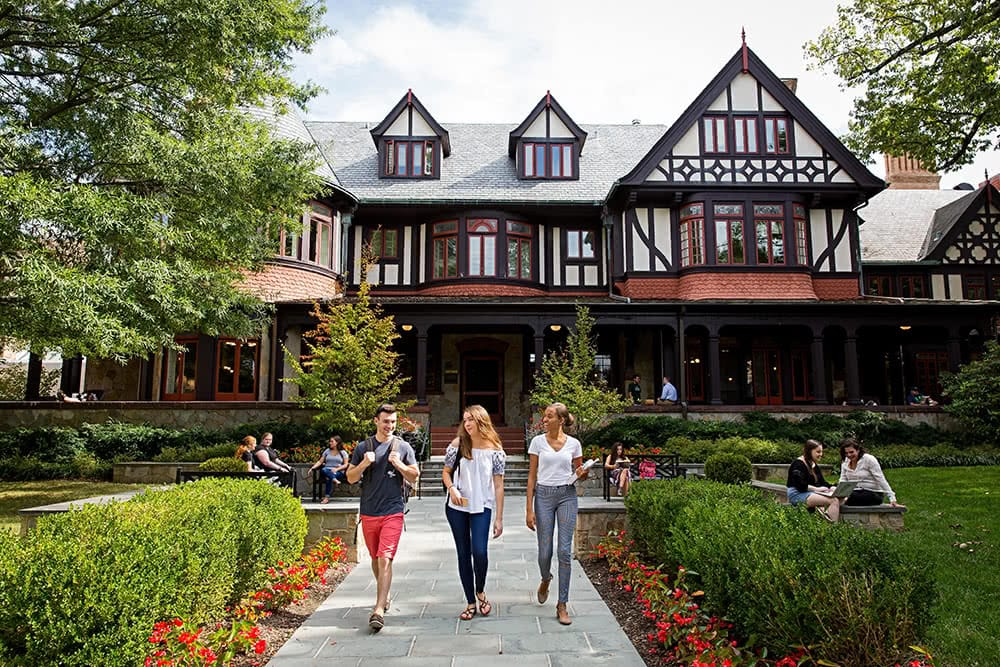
(383, 461)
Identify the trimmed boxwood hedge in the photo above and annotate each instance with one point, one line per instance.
(86, 587)
(783, 577)
(729, 468)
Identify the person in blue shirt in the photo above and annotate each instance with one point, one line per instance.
(669, 392)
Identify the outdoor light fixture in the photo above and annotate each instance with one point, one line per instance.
(555, 327)
(407, 327)
(905, 327)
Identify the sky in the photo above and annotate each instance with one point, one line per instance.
(606, 61)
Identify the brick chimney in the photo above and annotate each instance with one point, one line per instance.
(906, 173)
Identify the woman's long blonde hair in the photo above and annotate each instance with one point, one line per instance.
(486, 431)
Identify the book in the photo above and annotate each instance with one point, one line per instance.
(587, 465)
(842, 490)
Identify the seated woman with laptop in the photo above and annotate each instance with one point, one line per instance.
(872, 488)
(806, 485)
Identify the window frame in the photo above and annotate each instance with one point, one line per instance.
(771, 220)
(481, 229)
(236, 394)
(772, 121)
(689, 241)
(519, 239)
(973, 283)
(180, 357)
(580, 233)
(714, 120)
(410, 147)
(740, 129)
(728, 219)
(908, 281)
(800, 224)
(878, 280)
(548, 149)
(442, 238)
(377, 238)
(320, 220)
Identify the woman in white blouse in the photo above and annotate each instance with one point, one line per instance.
(473, 476)
(555, 463)
(859, 466)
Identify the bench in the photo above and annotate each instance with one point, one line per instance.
(665, 466)
(285, 479)
(884, 517)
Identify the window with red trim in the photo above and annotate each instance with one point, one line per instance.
(180, 371)
(974, 287)
(879, 285)
(745, 134)
(769, 225)
(482, 237)
(729, 239)
(321, 237)
(801, 234)
(519, 236)
(385, 243)
(913, 287)
(547, 160)
(714, 134)
(444, 240)
(580, 244)
(409, 158)
(692, 233)
(237, 370)
(776, 135)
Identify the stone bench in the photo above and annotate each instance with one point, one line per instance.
(882, 517)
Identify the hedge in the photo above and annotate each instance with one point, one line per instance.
(729, 468)
(85, 587)
(783, 577)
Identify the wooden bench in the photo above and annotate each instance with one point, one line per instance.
(285, 479)
(882, 517)
(665, 466)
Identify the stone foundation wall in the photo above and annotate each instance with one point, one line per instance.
(593, 523)
(334, 521)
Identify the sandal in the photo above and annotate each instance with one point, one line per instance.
(325, 500)
(376, 622)
(468, 613)
(485, 606)
(823, 513)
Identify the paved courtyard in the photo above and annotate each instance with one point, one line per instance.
(422, 626)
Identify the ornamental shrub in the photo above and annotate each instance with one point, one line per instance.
(85, 587)
(728, 468)
(223, 464)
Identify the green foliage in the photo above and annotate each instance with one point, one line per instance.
(975, 394)
(14, 379)
(567, 376)
(729, 468)
(223, 464)
(135, 192)
(351, 367)
(928, 72)
(85, 587)
(196, 454)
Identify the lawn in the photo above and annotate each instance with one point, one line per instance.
(18, 495)
(949, 508)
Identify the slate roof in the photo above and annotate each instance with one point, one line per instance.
(479, 169)
(289, 125)
(897, 222)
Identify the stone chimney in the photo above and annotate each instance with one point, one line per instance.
(906, 173)
(791, 84)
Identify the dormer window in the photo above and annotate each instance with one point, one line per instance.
(409, 158)
(776, 135)
(548, 160)
(411, 144)
(746, 135)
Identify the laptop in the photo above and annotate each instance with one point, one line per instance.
(843, 490)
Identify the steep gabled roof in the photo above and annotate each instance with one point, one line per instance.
(896, 222)
(410, 100)
(547, 102)
(945, 219)
(780, 92)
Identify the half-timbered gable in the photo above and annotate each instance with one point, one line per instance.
(410, 143)
(548, 143)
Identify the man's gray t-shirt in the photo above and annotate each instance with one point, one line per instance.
(381, 483)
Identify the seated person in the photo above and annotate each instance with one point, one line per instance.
(617, 464)
(916, 398)
(669, 393)
(805, 479)
(245, 452)
(333, 464)
(861, 467)
(266, 457)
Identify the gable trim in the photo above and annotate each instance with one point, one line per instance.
(547, 102)
(410, 102)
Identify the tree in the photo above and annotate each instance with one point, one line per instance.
(929, 69)
(135, 192)
(568, 376)
(350, 367)
(975, 394)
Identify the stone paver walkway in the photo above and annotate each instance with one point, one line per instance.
(422, 626)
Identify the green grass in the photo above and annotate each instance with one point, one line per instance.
(18, 495)
(948, 507)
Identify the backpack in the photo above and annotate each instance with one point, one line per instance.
(647, 469)
(407, 489)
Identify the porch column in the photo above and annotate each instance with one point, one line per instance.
(539, 350)
(818, 372)
(278, 337)
(421, 366)
(851, 368)
(954, 351)
(33, 387)
(69, 380)
(714, 372)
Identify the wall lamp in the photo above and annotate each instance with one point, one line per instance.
(905, 327)
(407, 327)
(555, 327)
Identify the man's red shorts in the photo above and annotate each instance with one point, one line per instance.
(382, 534)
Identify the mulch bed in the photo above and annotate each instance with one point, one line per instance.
(277, 628)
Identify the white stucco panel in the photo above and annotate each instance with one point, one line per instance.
(640, 251)
(953, 253)
(805, 145)
(955, 285)
(841, 176)
(557, 128)
(768, 102)
(391, 274)
(421, 128)
(556, 253)
(688, 144)
(400, 127)
(356, 272)
(537, 127)
(843, 251)
(590, 276)
(407, 256)
(657, 175)
(572, 276)
(744, 92)
(818, 237)
(937, 286)
(422, 265)
(720, 103)
(661, 225)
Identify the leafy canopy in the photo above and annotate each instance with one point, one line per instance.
(568, 376)
(975, 394)
(134, 191)
(350, 367)
(930, 74)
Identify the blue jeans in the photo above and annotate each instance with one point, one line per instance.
(331, 475)
(556, 504)
(472, 535)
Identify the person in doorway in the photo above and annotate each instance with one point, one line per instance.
(805, 482)
(266, 456)
(668, 394)
(473, 477)
(617, 466)
(861, 467)
(555, 463)
(635, 389)
(384, 461)
(333, 464)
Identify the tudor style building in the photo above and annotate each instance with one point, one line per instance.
(743, 250)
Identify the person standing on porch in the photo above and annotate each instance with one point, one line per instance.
(473, 476)
(555, 463)
(384, 461)
(635, 389)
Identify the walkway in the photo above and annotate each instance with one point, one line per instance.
(422, 626)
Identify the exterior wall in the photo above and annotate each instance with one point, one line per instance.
(593, 523)
(835, 289)
(120, 382)
(287, 282)
(445, 407)
(174, 414)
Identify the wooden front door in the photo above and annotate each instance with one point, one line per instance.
(482, 384)
(766, 376)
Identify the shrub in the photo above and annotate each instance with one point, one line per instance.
(85, 587)
(223, 464)
(729, 468)
(975, 394)
(196, 454)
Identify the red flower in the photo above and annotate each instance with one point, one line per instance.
(260, 647)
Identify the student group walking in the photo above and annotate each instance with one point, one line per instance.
(473, 477)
